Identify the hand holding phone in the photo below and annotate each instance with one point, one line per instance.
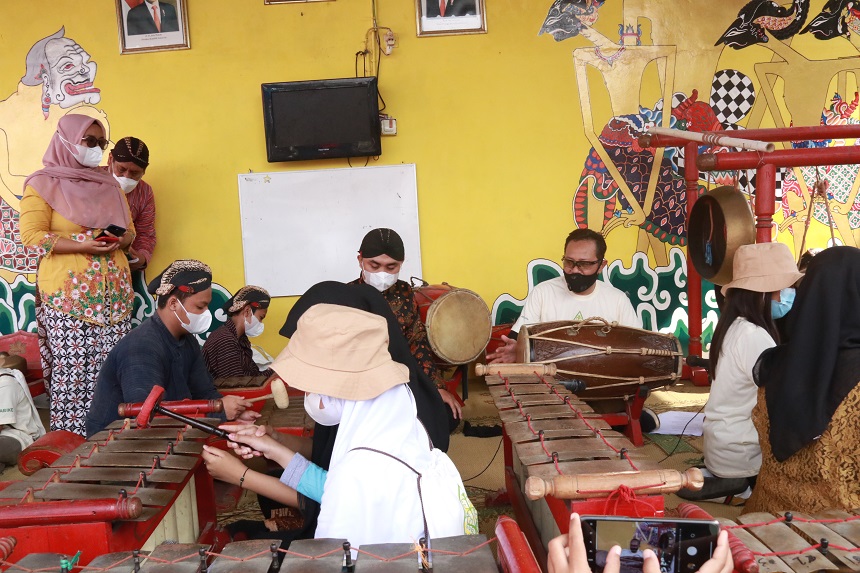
(114, 230)
(680, 545)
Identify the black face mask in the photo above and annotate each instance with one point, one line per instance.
(580, 283)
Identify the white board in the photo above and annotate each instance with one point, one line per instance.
(303, 227)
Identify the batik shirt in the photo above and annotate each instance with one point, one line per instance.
(401, 299)
(228, 355)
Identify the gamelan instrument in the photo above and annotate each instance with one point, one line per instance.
(248, 387)
(561, 456)
(152, 406)
(611, 361)
(125, 488)
(464, 553)
(792, 542)
(721, 221)
(457, 321)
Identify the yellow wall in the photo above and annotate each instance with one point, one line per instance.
(492, 121)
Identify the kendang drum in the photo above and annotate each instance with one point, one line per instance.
(612, 361)
(457, 321)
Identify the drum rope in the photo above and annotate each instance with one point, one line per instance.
(603, 350)
(626, 380)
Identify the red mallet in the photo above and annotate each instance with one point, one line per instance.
(187, 407)
(152, 406)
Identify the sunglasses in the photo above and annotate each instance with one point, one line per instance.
(570, 264)
(92, 141)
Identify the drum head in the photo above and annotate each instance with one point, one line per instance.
(458, 326)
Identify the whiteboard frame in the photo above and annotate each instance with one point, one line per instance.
(303, 227)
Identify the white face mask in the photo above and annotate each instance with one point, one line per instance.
(127, 184)
(331, 412)
(198, 323)
(254, 327)
(86, 156)
(380, 281)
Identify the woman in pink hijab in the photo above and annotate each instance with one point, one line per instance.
(84, 294)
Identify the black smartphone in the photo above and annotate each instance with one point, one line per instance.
(114, 230)
(681, 545)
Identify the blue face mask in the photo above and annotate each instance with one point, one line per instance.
(780, 308)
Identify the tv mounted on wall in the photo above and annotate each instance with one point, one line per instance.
(321, 119)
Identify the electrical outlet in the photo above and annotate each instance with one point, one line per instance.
(389, 42)
(388, 125)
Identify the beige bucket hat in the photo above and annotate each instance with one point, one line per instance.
(341, 352)
(763, 267)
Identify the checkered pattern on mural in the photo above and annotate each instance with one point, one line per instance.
(732, 96)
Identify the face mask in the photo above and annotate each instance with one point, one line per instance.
(127, 184)
(198, 323)
(254, 327)
(780, 308)
(580, 283)
(380, 281)
(329, 415)
(86, 156)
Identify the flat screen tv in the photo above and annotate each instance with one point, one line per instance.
(321, 119)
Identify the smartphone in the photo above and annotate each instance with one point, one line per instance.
(681, 545)
(114, 230)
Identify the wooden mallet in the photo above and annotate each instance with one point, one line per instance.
(278, 392)
(152, 406)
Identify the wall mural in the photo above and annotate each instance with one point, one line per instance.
(623, 185)
(59, 79)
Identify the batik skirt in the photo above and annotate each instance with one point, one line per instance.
(72, 353)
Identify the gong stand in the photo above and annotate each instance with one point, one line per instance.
(765, 165)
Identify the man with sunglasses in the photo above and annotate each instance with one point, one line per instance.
(576, 295)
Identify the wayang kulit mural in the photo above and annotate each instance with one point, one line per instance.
(625, 186)
(60, 78)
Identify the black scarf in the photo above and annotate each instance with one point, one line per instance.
(807, 378)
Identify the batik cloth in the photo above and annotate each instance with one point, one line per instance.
(72, 353)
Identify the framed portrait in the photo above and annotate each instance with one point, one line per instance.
(152, 25)
(441, 17)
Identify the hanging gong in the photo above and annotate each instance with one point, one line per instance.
(720, 222)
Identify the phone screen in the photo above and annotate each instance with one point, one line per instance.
(681, 545)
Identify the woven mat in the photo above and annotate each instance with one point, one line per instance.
(671, 444)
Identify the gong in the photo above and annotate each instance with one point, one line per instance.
(720, 222)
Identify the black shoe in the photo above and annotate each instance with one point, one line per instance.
(648, 420)
(481, 431)
(718, 489)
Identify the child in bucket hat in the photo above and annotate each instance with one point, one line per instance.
(744, 331)
(386, 483)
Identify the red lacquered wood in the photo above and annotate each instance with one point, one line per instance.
(66, 512)
(45, 451)
(741, 555)
(515, 555)
(186, 407)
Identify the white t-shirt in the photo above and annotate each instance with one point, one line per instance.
(731, 444)
(551, 300)
(17, 412)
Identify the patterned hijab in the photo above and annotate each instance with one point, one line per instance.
(86, 196)
(807, 378)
